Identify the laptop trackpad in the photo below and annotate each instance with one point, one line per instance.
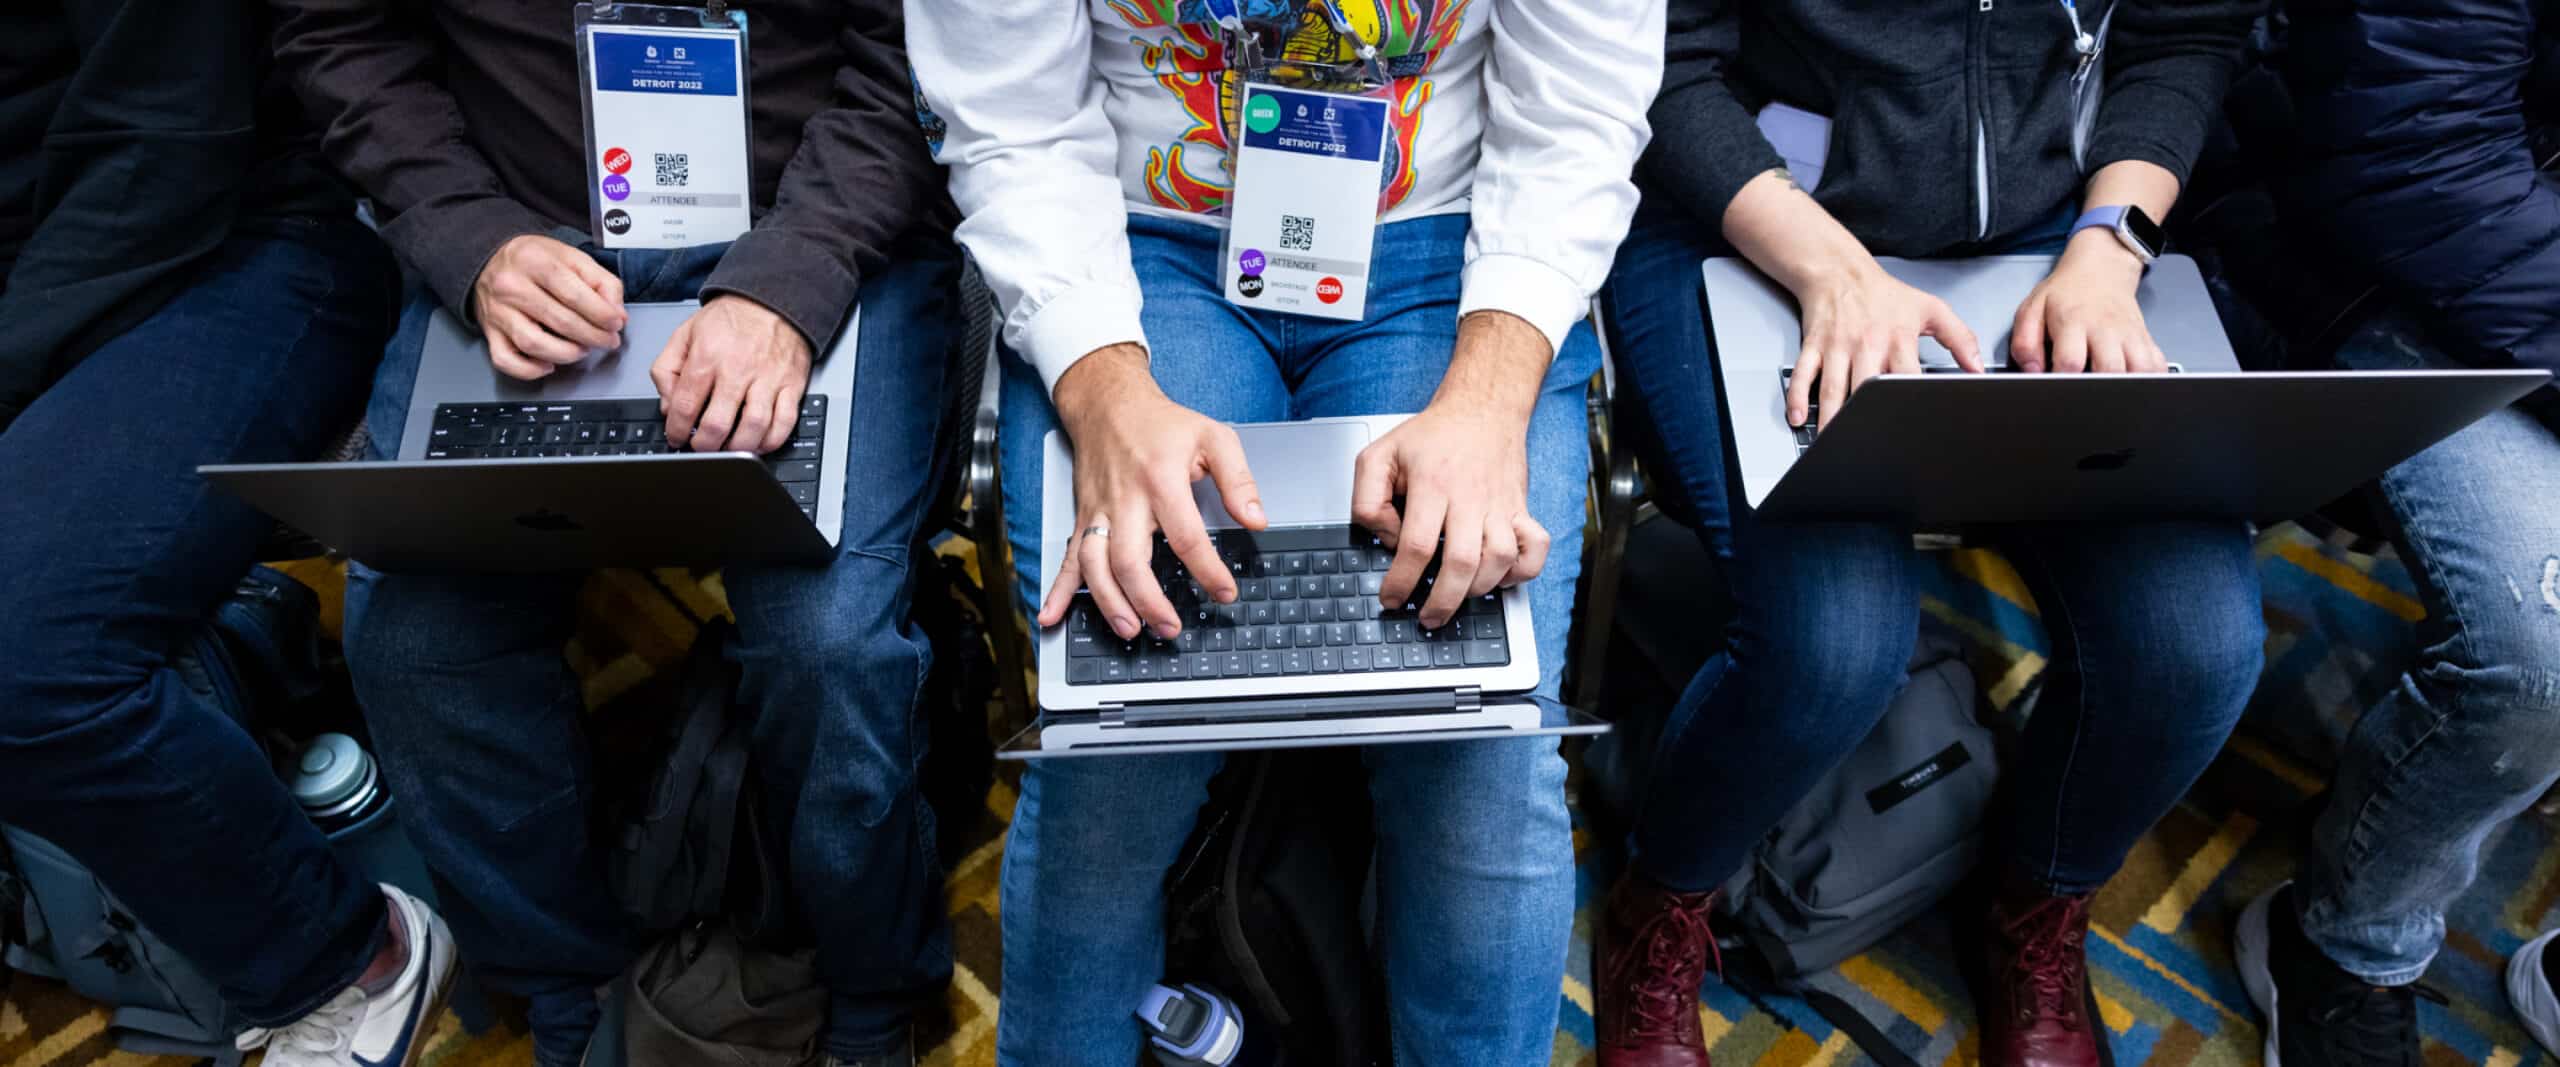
(1302, 469)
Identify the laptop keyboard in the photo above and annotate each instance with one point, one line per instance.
(610, 428)
(1306, 603)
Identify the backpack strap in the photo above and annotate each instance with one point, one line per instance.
(1862, 1031)
(1231, 900)
(1750, 974)
(13, 915)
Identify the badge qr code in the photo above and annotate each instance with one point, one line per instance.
(674, 169)
(1297, 232)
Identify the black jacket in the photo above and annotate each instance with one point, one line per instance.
(2415, 161)
(135, 135)
(461, 119)
(1951, 119)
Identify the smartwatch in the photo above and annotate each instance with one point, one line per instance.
(2133, 228)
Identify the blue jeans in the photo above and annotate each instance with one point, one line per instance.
(2471, 734)
(2156, 631)
(477, 713)
(1475, 850)
(116, 552)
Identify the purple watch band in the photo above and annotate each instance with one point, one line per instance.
(2107, 217)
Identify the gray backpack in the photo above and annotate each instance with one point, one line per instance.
(1889, 833)
(1883, 837)
(68, 927)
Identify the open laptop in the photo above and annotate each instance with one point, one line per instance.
(1306, 655)
(572, 471)
(1948, 447)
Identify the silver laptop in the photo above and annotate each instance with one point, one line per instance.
(1946, 447)
(572, 471)
(1306, 655)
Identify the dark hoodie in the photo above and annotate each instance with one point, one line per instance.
(1952, 120)
(135, 135)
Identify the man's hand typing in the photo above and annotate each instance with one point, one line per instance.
(1137, 453)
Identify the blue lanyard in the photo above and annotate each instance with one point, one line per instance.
(2080, 39)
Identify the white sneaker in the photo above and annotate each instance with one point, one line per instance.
(390, 1030)
(2529, 989)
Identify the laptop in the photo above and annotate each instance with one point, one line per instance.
(1946, 447)
(1305, 656)
(569, 472)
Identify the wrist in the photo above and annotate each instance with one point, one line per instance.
(1104, 378)
(1497, 369)
(2099, 249)
(1832, 269)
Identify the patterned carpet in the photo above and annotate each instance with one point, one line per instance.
(2339, 621)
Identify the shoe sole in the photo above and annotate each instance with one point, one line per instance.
(2524, 974)
(2250, 950)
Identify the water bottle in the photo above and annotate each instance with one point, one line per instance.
(339, 787)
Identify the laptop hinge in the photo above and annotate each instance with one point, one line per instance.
(1290, 709)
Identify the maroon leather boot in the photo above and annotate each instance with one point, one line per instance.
(2035, 1004)
(1649, 956)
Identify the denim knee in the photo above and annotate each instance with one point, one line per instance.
(1832, 643)
(2502, 674)
(835, 669)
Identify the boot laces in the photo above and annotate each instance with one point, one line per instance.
(2046, 978)
(1666, 989)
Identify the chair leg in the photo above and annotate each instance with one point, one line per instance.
(1007, 630)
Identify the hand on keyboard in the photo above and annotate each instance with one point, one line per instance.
(1137, 453)
(1307, 603)
(1861, 322)
(1462, 467)
(731, 378)
(2084, 316)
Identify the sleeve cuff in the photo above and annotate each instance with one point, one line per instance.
(799, 281)
(449, 244)
(1075, 323)
(1548, 298)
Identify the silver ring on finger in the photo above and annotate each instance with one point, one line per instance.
(1098, 530)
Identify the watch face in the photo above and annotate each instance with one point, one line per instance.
(2146, 231)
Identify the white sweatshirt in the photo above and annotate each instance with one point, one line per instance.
(1061, 116)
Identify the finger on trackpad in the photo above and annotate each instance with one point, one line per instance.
(1303, 471)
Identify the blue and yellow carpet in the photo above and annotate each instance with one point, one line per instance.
(2339, 622)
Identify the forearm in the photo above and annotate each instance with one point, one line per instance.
(1776, 225)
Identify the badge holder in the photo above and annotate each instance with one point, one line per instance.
(663, 102)
(1307, 159)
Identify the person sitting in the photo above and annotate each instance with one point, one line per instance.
(1951, 132)
(462, 122)
(181, 283)
(1090, 152)
(2414, 170)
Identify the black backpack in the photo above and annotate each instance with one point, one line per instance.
(682, 840)
(1267, 906)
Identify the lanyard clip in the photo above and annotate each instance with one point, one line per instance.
(1241, 42)
(2081, 41)
(1361, 46)
(718, 10)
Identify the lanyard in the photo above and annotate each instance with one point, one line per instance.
(718, 10)
(2081, 41)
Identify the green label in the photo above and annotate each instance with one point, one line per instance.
(1262, 114)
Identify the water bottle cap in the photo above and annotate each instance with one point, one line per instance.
(332, 771)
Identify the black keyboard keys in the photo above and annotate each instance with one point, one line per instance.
(619, 427)
(1307, 603)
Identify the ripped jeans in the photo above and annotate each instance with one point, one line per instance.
(2470, 736)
